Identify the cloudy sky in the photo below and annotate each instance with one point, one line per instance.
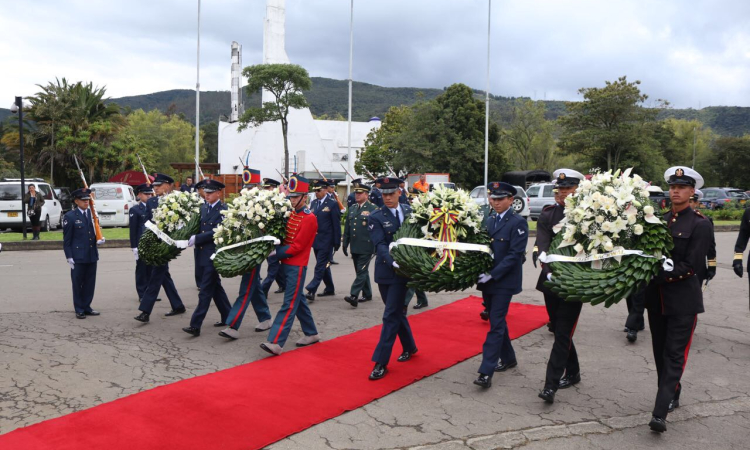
(693, 53)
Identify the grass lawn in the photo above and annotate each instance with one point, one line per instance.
(109, 234)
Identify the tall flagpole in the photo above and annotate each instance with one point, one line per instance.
(487, 101)
(351, 54)
(198, 97)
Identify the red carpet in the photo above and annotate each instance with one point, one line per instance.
(256, 404)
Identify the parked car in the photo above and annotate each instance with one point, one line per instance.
(540, 195)
(446, 184)
(11, 201)
(113, 202)
(716, 198)
(520, 202)
(659, 198)
(66, 200)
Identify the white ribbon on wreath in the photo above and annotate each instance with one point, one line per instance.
(596, 260)
(164, 236)
(440, 245)
(251, 241)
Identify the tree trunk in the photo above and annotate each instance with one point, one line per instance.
(609, 159)
(284, 129)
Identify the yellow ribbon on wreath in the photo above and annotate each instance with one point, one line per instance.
(446, 219)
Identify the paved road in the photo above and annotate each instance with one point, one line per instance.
(52, 364)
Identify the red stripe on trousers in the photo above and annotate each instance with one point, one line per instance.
(571, 334)
(291, 306)
(244, 300)
(687, 349)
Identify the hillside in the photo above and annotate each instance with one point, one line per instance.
(4, 113)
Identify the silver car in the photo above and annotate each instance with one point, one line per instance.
(520, 202)
(540, 195)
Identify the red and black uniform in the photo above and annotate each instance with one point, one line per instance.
(294, 255)
(673, 301)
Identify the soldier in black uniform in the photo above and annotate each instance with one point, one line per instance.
(563, 314)
(695, 203)
(741, 244)
(136, 224)
(674, 298)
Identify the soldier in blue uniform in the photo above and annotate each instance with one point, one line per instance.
(160, 276)
(327, 241)
(376, 196)
(210, 287)
(404, 197)
(196, 268)
(509, 234)
(136, 224)
(79, 244)
(274, 266)
(383, 224)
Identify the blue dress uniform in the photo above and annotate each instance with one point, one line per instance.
(376, 197)
(79, 244)
(137, 226)
(509, 235)
(383, 224)
(675, 298)
(160, 276)
(326, 242)
(210, 287)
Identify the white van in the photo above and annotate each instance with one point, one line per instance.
(113, 202)
(11, 201)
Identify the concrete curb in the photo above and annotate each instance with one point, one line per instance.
(125, 243)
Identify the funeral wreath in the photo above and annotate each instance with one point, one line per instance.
(175, 219)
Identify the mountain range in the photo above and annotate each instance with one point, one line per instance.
(328, 98)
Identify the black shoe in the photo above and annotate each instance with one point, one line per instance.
(405, 356)
(174, 312)
(658, 424)
(626, 329)
(80, 316)
(484, 381)
(351, 300)
(326, 294)
(364, 299)
(142, 317)
(378, 371)
(548, 395)
(191, 330)
(484, 315)
(568, 381)
(278, 291)
(421, 305)
(158, 299)
(92, 313)
(334, 263)
(674, 404)
(632, 335)
(219, 324)
(550, 328)
(502, 367)
(310, 296)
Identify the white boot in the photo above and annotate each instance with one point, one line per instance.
(271, 348)
(308, 340)
(264, 326)
(230, 333)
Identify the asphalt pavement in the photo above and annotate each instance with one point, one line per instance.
(52, 364)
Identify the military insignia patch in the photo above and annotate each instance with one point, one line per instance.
(386, 180)
(679, 172)
(521, 232)
(65, 222)
(562, 176)
(326, 209)
(365, 213)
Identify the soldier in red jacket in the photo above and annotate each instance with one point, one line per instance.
(294, 254)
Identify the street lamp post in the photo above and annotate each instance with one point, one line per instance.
(17, 107)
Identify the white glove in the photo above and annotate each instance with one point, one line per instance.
(71, 263)
(549, 277)
(483, 278)
(101, 241)
(191, 241)
(135, 253)
(395, 264)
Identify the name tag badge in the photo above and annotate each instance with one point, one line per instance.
(326, 209)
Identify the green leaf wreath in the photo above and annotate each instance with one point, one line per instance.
(177, 216)
(608, 214)
(252, 214)
(448, 216)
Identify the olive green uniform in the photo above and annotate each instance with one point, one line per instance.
(357, 239)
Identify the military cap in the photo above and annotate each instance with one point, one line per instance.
(82, 194)
(161, 178)
(499, 189)
(388, 185)
(250, 176)
(320, 184)
(201, 184)
(683, 175)
(567, 177)
(144, 188)
(270, 182)
(359, 186)
(698, 196)
(298, 186)
(210, 185)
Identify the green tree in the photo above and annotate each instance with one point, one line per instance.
(285, 82)
(210, 137)
(529, 141)
(730, 163)
(607, 126)
(379, 149)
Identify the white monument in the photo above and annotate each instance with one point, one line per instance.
(322, 142)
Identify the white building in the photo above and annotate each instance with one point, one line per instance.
(320, 142)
